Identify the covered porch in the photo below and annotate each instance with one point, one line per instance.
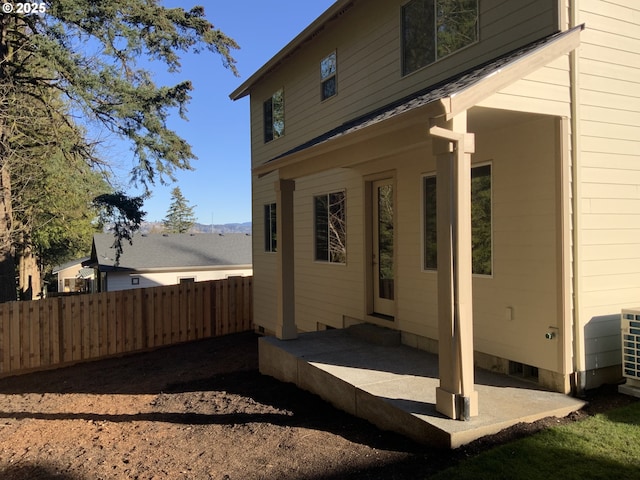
(365, 371)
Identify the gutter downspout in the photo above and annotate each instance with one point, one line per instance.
(579, 360)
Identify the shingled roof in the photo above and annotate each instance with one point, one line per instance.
(172, 251)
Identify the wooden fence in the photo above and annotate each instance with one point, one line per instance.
(42, 334)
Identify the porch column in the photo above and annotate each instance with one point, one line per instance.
(286, 321)
(452, 146)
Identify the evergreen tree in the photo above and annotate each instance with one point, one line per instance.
(81, 57)
(180, 217)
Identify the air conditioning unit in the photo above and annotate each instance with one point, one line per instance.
(631, 351)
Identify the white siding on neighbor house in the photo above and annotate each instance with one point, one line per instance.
(609, 163)
(123, 280)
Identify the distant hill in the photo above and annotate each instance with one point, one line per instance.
(157, 227)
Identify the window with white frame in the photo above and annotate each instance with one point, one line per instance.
(270, 218)
(273, 110)
(329, 84)
(481, 221)
(433, 29)
(330, 227)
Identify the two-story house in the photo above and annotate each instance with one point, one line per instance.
(464, 171)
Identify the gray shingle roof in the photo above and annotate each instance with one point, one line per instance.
(170, 251)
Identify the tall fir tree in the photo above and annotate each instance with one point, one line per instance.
(180, 217)
(82, 58)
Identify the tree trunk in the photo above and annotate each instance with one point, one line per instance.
(29, 279)
(7, 263)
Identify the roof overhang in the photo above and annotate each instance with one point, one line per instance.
(446, 99)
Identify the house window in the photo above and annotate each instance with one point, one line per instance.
(270, 238)
(433, 29)
(481, 241)
(274, 116)
(328, 76)
(184, 280)
(330, 228)
(135, 280)
(430, 232)
(481, 220)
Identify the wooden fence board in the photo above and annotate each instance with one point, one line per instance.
(35, 334)
(5, 337)
(140, 332)
(175, 316)
(87, 327)
(45, 335)
(128, 321)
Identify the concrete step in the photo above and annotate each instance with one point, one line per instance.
(375, 334)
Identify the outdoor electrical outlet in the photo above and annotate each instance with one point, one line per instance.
(509, 314)
(550, 335)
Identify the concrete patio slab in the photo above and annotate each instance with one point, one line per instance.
(394, 387)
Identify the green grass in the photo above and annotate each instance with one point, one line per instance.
(606, 446)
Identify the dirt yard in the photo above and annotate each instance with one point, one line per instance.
(202, 411)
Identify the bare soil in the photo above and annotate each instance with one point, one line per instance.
(202, 411)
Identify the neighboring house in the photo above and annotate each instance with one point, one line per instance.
(73, 277)
(168, 259)
(529, 124)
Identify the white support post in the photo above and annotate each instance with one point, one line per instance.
(452, 146)
(286, 322)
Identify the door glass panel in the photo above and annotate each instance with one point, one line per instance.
(385, 241)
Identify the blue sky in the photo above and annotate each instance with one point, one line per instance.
(218, 128)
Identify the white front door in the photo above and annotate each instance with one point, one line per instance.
(383, 247)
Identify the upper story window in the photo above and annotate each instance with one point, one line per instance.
(433, 29)
(328, 67)
(274, 116)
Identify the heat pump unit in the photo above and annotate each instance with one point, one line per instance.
(631, 346)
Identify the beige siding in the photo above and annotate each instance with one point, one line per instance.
(609, 215)
(264, 263)
(524, 152)
(325, 292)
(525, 209)
(547, 91)
(367, 40)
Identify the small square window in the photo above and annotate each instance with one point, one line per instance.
(328, 68)
(135, 280)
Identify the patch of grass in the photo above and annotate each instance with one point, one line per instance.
(605, 446)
